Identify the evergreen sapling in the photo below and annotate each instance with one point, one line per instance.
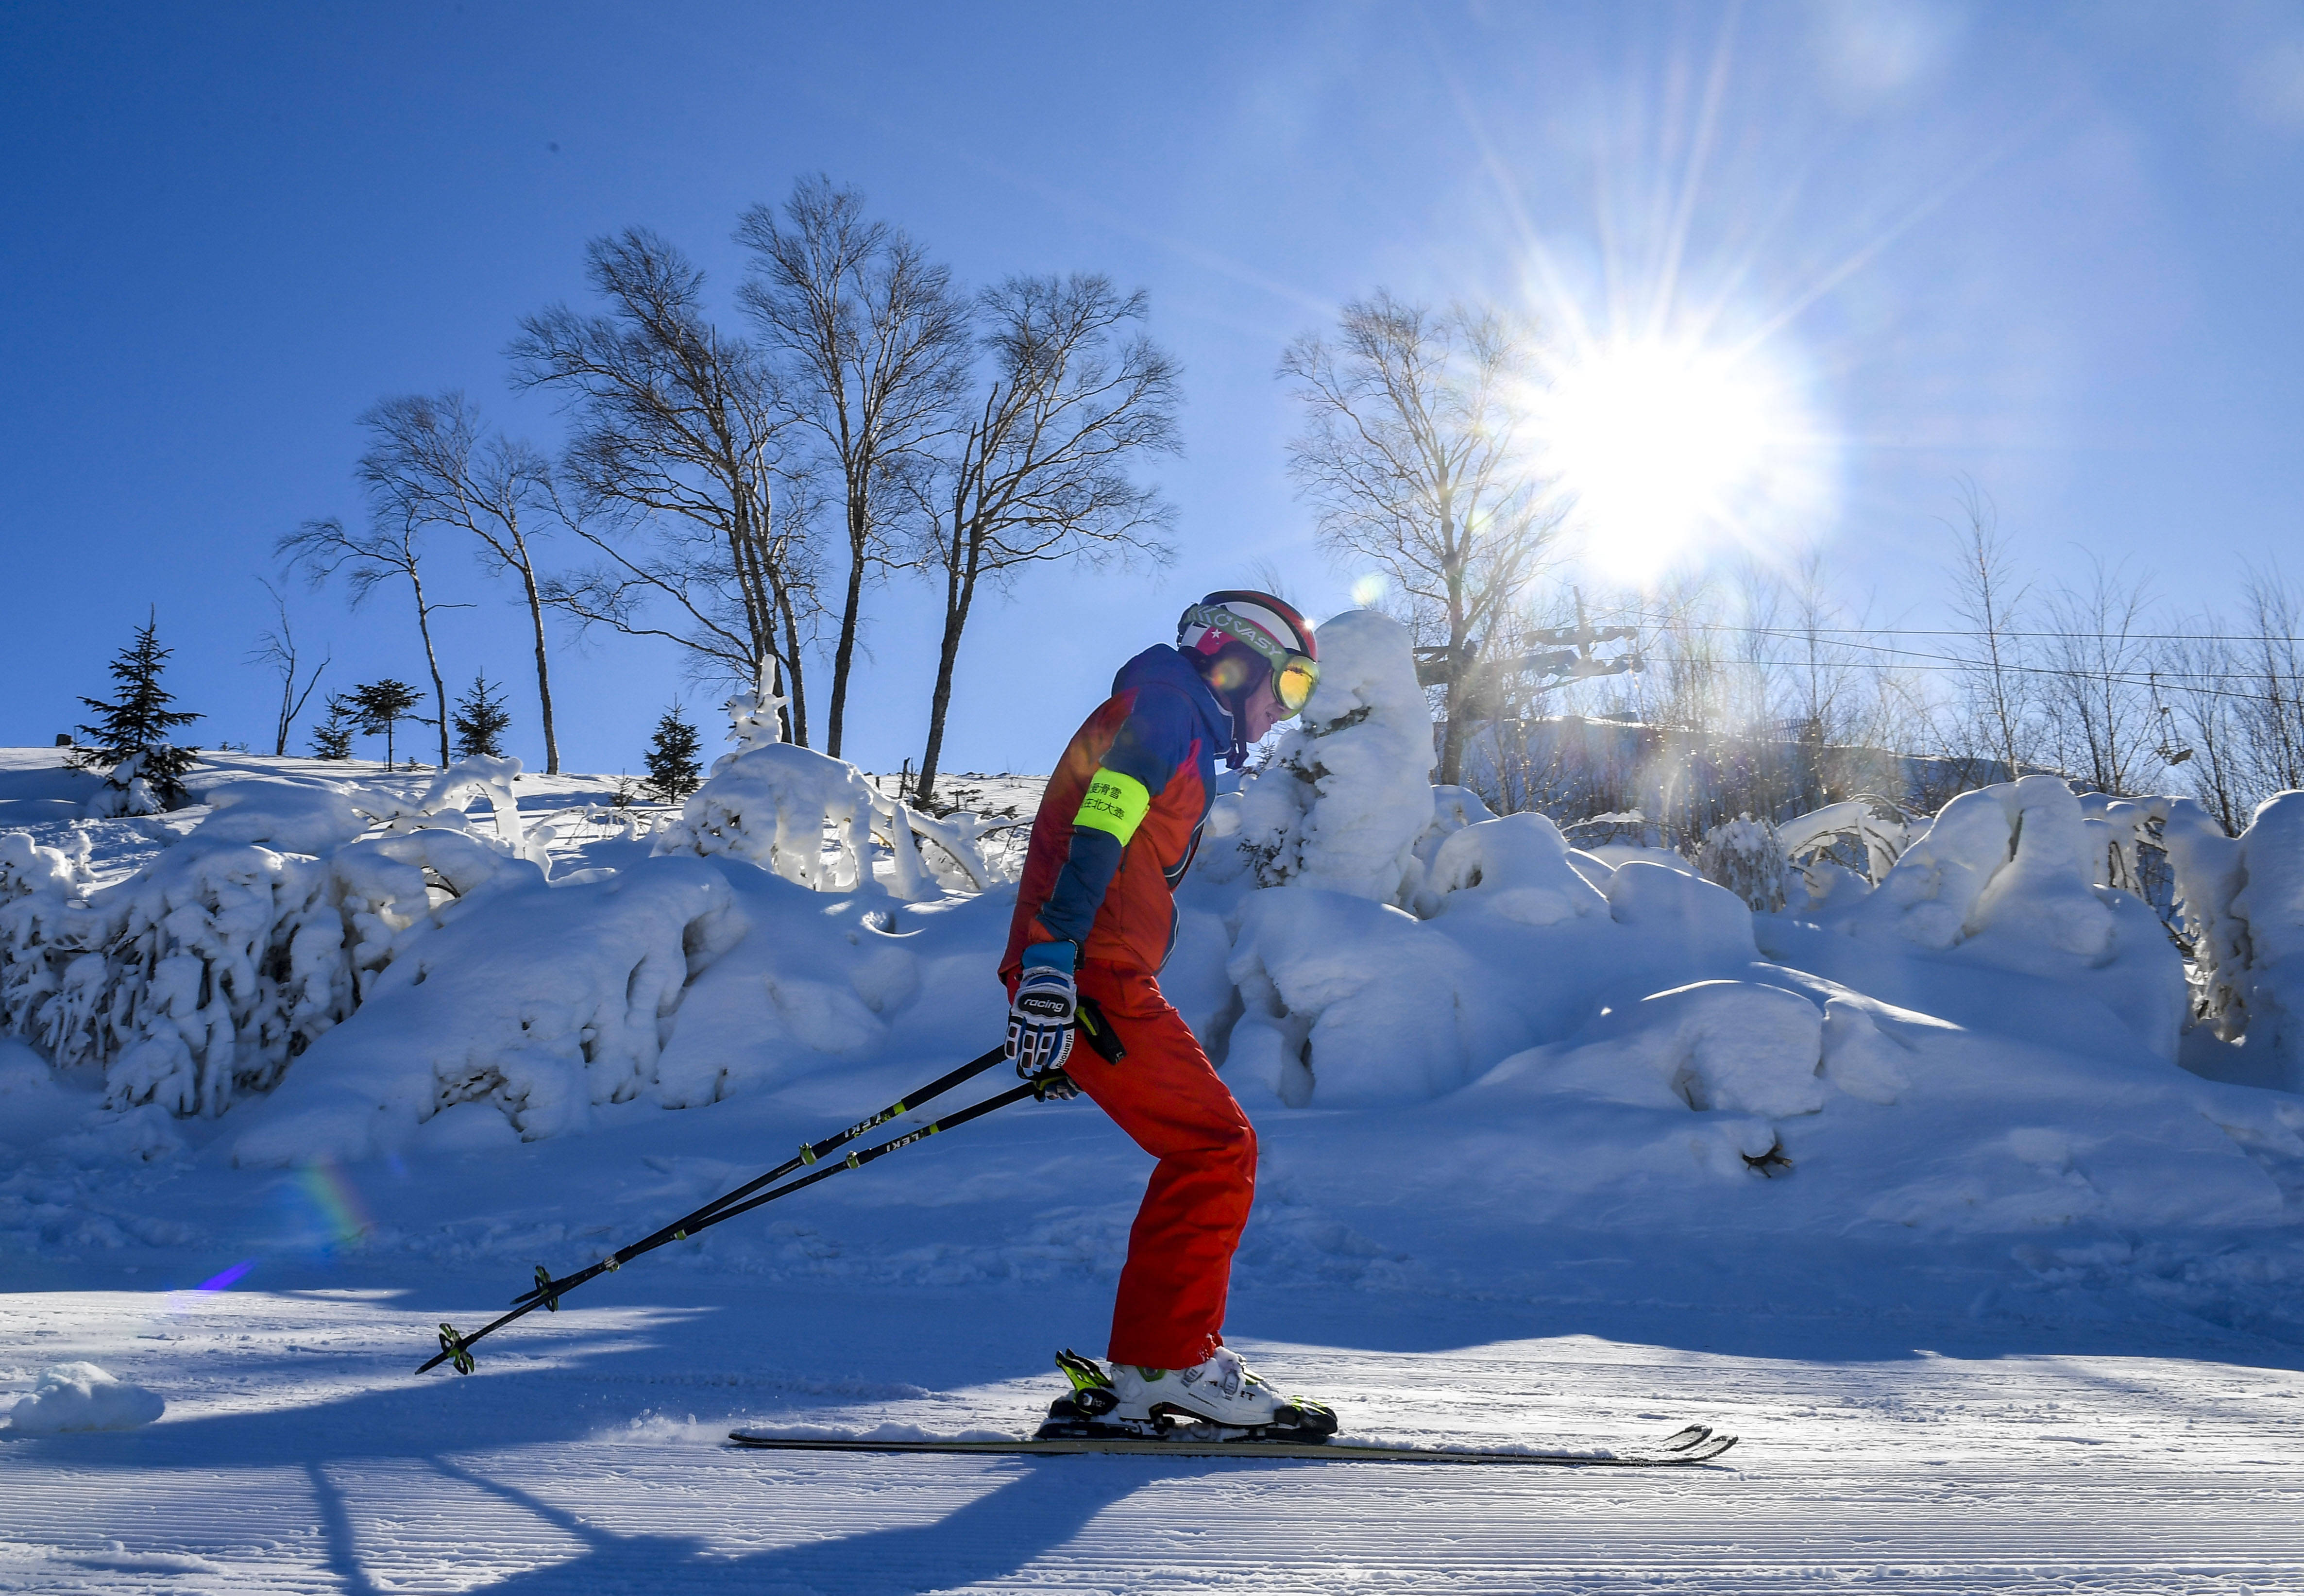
(129, 741)
(332, 738)
(672, 766)
(381, 706)
(480, 720)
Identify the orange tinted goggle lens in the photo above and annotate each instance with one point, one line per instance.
(1296, 681)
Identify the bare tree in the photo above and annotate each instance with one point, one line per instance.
(1411, 453)
(873, 338)
(2200, 671)
(1998, 702)
(2273, 677)
(387, 549)
(2100, 717)
(1041, 469)
(277, 649)
(679, 430)
(435, 464)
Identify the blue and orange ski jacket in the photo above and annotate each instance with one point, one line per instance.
(1120, 818)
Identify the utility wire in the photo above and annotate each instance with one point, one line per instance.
(2182, 680)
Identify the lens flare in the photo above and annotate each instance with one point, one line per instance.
(225, 1280)
(1367, 589)
(343, 1216)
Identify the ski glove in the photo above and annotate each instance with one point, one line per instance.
(1040, 1017)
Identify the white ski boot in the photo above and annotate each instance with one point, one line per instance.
(1219, 1396)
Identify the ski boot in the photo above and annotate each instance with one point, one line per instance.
(1220, 1399)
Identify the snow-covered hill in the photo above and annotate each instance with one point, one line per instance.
(1552, 1145)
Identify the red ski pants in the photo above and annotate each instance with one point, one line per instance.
(1166, 1096)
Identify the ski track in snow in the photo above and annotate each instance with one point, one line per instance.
(298, 1455)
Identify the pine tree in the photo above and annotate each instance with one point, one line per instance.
(381, 706)
(332, 738)
(480, 720)
(135, 728)
(673, 771)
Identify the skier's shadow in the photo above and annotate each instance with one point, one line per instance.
(1034, 1512)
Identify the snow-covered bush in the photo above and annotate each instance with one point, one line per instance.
(1868, 830)
(771, 805)
(1348, 794)
(1518, 868)
(1746, 856)
(541, 1002)
(195, 980)
(1360, 997)
(2014, 859)
(2242, 901)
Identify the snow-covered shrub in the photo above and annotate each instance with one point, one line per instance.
(1681, 913)
(770, 805)
(298, 817)
(2014, 858)
(1359, 1002)
(1746, 856)
(1517, 868)
(195, 980)
(2242, 900)
(127, 791)
(1348, 794)
(541, 1002)
(1868, 830)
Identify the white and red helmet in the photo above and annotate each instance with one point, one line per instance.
(1268, 627)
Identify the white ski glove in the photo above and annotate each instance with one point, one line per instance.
(1040, 1018)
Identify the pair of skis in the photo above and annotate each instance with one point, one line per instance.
(1697, 1444)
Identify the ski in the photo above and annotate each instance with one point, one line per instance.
(1695, 1445)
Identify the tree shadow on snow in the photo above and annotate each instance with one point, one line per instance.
(1041, 1507)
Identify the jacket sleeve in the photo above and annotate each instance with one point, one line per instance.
(1155, 739)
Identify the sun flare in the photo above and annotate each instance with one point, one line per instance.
(1664, 450)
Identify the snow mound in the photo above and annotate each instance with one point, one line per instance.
(1681, 912)
(1348, 794)
(1731, 1045)
(81, 1396)
(307, 818)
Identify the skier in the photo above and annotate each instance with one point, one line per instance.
(1095, 921)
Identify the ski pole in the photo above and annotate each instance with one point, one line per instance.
(547, 1289)
(454, 1347)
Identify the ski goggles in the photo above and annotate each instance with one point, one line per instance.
(1293, 675)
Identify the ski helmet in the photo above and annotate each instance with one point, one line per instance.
(1269, 628)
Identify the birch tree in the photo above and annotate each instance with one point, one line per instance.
(871, 337)
(1411, 455)
(436, 464)
(675, 474)
(1041, 465)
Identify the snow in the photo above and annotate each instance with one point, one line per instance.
(79, 1396)
(1933, 1190)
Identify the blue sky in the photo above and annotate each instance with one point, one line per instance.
(2048, 247)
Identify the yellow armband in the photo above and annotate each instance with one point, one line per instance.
(1116, 803)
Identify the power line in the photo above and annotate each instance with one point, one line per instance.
(1896, 631)
(2186, 680)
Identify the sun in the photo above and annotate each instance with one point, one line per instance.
(1666, 450)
